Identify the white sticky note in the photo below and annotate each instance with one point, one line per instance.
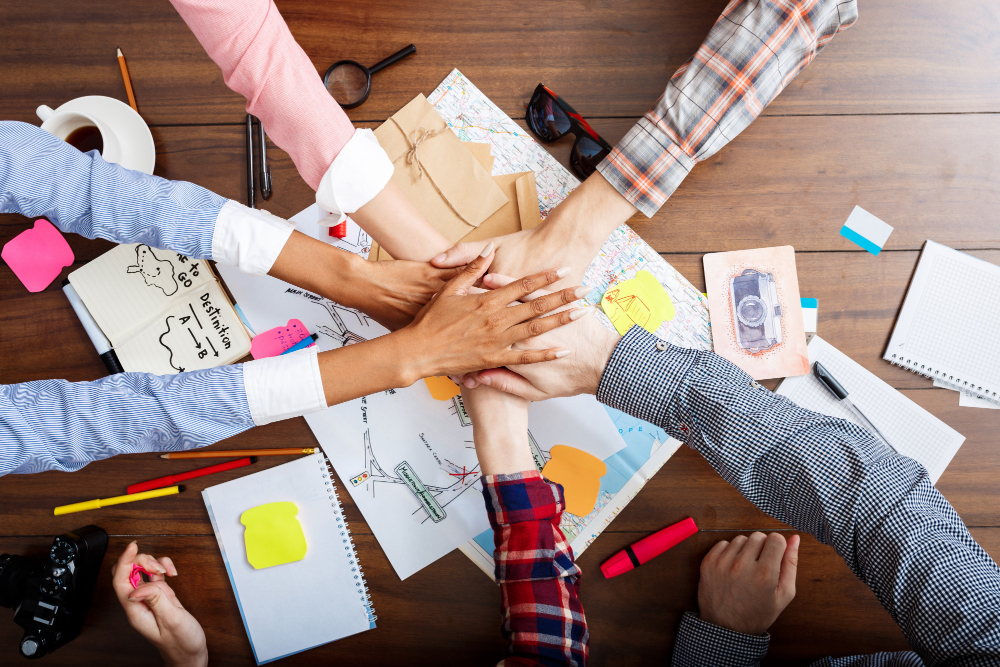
(810, 314)
(866, 230)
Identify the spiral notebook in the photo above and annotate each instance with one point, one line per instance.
(947, 329)
(294, 606)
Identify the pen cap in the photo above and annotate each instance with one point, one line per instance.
(819, 370)
(620, 563)
(652, 546)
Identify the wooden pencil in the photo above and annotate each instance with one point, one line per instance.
(128, 81)
(237, 453)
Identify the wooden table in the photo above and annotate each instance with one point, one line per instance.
(899, 114)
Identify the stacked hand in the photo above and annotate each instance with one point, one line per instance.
(747, 583)
(155, 612)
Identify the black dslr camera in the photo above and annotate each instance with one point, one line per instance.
(50, 598)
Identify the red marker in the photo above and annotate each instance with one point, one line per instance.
(170, 480)
(648, 548)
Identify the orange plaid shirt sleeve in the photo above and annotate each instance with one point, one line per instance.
(752, 52)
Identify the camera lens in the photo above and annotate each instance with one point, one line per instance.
(751, 311)
(14, 570)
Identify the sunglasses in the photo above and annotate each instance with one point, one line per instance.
(551, 118)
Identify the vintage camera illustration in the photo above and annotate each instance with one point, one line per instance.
(758, 313)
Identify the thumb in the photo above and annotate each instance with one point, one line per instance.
(471, 273)
(789, 567)
(457, 255)
(157, 595)
(508, 381)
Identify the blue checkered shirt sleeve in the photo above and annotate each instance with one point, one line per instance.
(830, 478)
(41, 175)
(754, 50)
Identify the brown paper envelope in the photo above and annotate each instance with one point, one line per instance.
(507, 220)
(482, 154)
(373, 253)
(453, 180)
(527, 201)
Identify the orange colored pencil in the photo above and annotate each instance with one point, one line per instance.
(128, 81)
(237, 453)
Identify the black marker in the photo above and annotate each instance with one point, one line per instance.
(97, 337)
(838, 390)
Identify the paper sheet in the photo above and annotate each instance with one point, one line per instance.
(913, 431)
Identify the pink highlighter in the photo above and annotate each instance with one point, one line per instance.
(648, 548)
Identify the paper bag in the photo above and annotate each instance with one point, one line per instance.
(443, 179)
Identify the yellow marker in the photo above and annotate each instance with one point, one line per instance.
(273, 535)
(117, 500)
(640, 300)
(442, 388)
(579, 473)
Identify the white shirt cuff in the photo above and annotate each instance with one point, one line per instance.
(249, 238)
(285, 386)
(358, 173)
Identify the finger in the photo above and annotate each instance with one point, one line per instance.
(498, 280)
(510, 382)
(730, 553)
(533, 328)
(444, 275)
(151, 566)
(789, 568)
(520, 288)
(168, 565)
(752, 547)
(457, 255)
(542, 305)
(157, 595)
(525, 357)
(713, 554)
(773, 550)
(470, 273)
(121, 570)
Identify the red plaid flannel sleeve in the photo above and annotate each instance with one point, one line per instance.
(539, 582)
(754, 50)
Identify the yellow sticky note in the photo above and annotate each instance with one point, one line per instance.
(640, 300)
(273, 535)
(442, 388)
(579, 473)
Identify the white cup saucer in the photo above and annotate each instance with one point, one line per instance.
(134, 137)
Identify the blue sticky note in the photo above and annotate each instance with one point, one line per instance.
(866, 230)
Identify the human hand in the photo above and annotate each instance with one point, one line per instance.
(392, 293)
(747, 583)
(500, 430)
(155, 612)
(460, 331)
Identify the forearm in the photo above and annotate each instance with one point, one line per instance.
(752, 52)
(539, 582)
(828, 477)
(392, 220)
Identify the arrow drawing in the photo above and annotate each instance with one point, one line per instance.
(212, 346)
(196, 343)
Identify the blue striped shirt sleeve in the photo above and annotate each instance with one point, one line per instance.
(41, 175)
(59, 425)
(830, 478)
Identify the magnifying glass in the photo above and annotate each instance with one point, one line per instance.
(349, 82)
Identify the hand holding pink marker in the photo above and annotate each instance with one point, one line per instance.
(37, 255)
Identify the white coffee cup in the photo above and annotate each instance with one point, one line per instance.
(63, 123)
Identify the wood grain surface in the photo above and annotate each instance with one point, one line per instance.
(898, 115)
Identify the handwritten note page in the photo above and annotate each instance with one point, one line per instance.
(129, 285)
(200, 330)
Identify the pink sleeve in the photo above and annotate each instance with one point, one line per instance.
(261, 61)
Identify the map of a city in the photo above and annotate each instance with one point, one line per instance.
(473, 117)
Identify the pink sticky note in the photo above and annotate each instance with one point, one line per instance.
(135, 577)
(37, 255)
(274, 341)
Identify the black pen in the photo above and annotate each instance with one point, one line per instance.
(250, 185)
(838, 390)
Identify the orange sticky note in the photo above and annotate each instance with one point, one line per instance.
(579, 473)
(37, 255)
(442, 388)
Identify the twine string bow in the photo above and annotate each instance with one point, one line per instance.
(412, 156)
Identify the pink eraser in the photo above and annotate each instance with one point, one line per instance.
(135, 577)
(37, 255)
(274, 341)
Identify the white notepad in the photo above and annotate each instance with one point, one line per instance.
(949, 327)
(299, 605)
(913, 431)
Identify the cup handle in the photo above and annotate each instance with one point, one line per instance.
(44, 112)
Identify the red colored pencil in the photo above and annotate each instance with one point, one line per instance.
(170, 480)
